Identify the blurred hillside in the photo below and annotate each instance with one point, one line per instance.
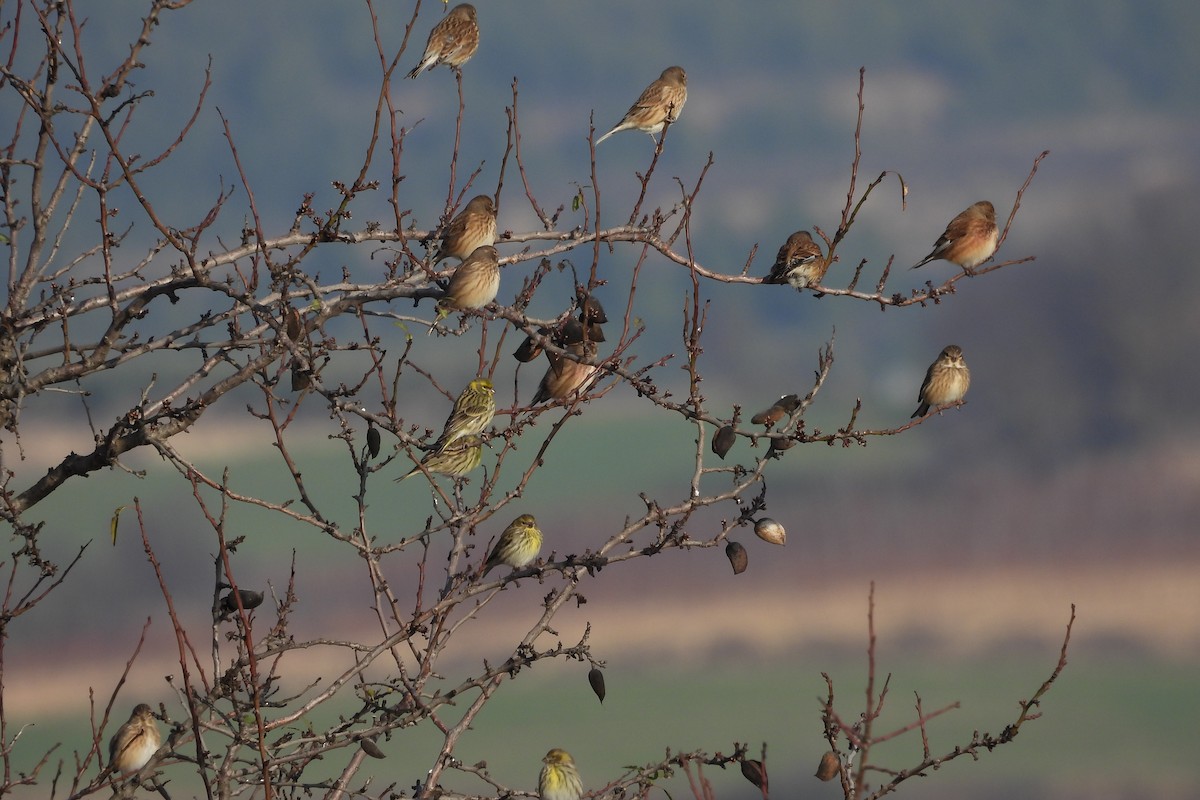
(1071, 475)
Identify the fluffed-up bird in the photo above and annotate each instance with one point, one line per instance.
(798, 263)
(474, 284)
(472, 227)
(454, 460)
(566, 376)
(559, 779)
(517, 547)
(135, 742)
(452, 41)
(969, 240)
(662, 101)
(946, 381)
(473, 411)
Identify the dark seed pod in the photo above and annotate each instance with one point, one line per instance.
(250, 599)
(293, 325)
(596, 679)
(590, 309)
(571, 332)
(301, 377)
(594, 332)
(373, 441)
(723, 440)
(779, 444)
(828, 767)
(738, 558)
(370, 748)
(768, 417)
(756, 773)
(771, 531)
(789, 403)
(529, 349)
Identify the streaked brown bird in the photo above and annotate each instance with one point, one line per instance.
(565, 376)
(452, 41)
(946, 381)
(969, 240)
(454, 460)
(662, 101)
(474, 284)
(472, 227)
(135, 742)
(798, 263)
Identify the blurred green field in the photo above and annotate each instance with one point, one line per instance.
(1105, 720)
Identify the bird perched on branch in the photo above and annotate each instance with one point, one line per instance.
(969, 240)
(135, 742)
(799, 262)
(661, 102)
(452, 41)
(474, 284)
(473, 411)
(472, 227)
(946, 381)
(454, 460)
(517, 547)
(559, 779)
(566, 376)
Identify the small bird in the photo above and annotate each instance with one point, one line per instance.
(946, 381)
(517, 547)
(662, 101)
(798, 263)
(452, 41)
(472, 227)
(969, 240)
(474, 284)
(472, 413)
(454, 460)
(559, 779)
(565, 376)
(132, 746)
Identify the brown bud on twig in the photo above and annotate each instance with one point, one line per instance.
(737, 557)
(770, 531)
(370, 748)
(828, 767)
(756, 773)
(596, 679)
(373, 441)
(723, 440)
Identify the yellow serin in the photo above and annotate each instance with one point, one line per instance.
(518, 546)
(455, 459)
(472, 413)
(559, 779)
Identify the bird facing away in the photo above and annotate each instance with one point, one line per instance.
(969, 240)
(518, 546)
(564, 376)
(799, 262)
(472, 413)
(559, 779)
(474, 284)
(472, 227)
(135, 742)
(452, 41)
(946, 381)
(454, 460)
(662, 101)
